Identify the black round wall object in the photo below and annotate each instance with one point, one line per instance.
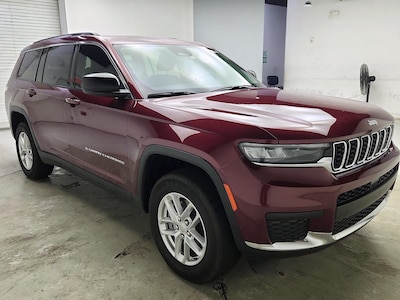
(365, 80)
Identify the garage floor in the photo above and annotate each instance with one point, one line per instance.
(65, 238)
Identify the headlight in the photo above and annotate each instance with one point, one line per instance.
(283, 154)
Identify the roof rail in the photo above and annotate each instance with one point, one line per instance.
(68, 34)
(83, 33)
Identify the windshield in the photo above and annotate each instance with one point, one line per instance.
(168, 70)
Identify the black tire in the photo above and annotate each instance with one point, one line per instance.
(209, 235)
(28, 156)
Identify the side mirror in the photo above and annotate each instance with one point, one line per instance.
(102, 84)
(252, 72)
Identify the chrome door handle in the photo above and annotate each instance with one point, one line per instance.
(72, 101)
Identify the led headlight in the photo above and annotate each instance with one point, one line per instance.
(283, 154)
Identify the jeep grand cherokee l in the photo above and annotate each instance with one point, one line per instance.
(222, 164)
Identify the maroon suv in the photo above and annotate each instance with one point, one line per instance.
(223, 164)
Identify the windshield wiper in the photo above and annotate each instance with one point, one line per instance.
(169, 94)
(234, 87)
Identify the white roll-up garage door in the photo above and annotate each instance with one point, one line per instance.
(21, 23)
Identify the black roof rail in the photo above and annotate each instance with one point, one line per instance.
(68, 34)
(83, 33)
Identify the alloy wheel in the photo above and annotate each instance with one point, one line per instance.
(25, 151)
(182, 229)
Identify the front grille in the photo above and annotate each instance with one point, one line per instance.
(341, 225)
(355, 152)
(287, 230)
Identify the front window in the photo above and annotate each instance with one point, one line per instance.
(92, 59)
(162, 69)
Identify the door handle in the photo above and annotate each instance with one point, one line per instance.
(72, 101)
(31, 92)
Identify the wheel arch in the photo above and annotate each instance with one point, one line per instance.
(18, 115)
(181, 159)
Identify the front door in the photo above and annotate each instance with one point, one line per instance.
(97, 126)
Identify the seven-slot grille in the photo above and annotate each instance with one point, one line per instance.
(355, 152)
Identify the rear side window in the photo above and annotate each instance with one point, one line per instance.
(57, 67)
(29, 65)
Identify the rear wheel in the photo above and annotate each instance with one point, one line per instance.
(190, 228)
(28, 156)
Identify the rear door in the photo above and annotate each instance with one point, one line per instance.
(44, 76)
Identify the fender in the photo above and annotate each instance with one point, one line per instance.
(201, 164)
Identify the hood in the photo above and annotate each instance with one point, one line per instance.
(278, 114)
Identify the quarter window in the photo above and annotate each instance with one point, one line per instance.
(29, 64)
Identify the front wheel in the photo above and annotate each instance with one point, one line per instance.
(190, 228)
(28, 156)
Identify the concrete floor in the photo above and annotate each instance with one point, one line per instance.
(64, 238)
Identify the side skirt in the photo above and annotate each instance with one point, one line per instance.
(113, 188)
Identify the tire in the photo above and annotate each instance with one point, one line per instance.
(28, 156)
(190, 228)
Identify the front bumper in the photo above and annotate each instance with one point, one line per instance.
(278, 210)
(319, 239)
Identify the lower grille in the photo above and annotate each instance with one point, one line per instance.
(387, 175)
(341, 225)
(287, 230)
(358, 193)
(361, 191)
(353, 194)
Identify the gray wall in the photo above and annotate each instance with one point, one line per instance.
(234, 27)
(274, 42)
(327, 43)
(172, 18)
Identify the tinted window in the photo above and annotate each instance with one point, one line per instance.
(92, 59)
(39, 75)
(58, 65)
(29, 65)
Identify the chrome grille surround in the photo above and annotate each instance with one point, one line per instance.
(355, 152)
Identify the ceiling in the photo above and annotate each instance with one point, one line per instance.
(277, 2)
